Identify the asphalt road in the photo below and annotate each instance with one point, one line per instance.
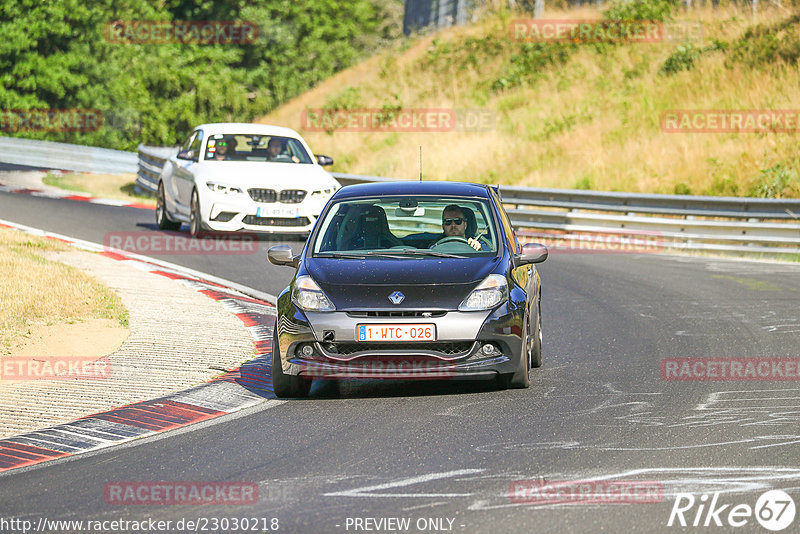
(446, 455)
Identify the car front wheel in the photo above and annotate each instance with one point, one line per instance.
(196, 226)
(521, 378)
(162, 219)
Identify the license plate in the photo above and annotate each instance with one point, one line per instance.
(396, 332)
(278, 211)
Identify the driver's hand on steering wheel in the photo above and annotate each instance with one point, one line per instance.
(474, 243)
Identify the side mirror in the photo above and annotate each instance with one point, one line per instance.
(282, 255)
(186, 154)
(532, 253)
(324, 160)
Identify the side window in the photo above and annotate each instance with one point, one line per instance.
(188, 142)
(508, 230)
(196, 142)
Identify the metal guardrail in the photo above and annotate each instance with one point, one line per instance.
(729, 224)
(151, 161)
(65, 156)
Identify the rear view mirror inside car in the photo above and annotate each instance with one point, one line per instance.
(409, 212)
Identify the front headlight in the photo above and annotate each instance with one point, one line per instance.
(308, 296)
(323, 193)
(223, 189)
(489, 293)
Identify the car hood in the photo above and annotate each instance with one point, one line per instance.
(259, 174)
(429, 283)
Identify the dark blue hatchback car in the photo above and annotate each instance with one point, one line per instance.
(409, 280)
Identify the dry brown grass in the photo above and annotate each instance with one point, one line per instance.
(608, 104)
(112, 186)
(35, 291)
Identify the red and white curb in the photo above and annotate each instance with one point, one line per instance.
(72, 196)
(240, 388)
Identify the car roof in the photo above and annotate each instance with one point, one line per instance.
(387, 188)
(245, 128)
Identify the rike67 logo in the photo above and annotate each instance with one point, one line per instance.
(774, 510)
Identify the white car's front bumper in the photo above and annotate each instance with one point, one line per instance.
(230, 213)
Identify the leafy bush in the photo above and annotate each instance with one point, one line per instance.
(348, 98)
(641, 9)
(682, 58)
(526, 65)
(54, 55)
(682, 189)
(769, 44)
(777, 181)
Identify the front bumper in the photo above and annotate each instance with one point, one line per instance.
(324, 345)
(225, 214)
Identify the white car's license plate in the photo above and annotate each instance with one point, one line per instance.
(396, 332)
(278, 211)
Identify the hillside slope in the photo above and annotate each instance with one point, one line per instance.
(576, 115)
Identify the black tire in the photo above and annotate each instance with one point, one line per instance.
(521, 378)
(536, 356)
(196, 226)
(162, 218)
(286, 386)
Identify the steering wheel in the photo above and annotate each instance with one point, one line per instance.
(283, 157)
(452, 239)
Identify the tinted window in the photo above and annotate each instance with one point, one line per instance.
(248, 147)
(407, 224)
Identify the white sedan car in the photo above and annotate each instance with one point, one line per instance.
(240, 176)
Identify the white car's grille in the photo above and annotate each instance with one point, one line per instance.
(292, 196)
(263, 195)
(287, 196)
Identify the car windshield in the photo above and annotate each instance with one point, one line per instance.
(407, 227)
(251, 147)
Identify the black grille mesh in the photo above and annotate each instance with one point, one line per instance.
(450, 348)
(275, 221)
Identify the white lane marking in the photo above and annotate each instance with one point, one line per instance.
(367, 491)
(430, 505)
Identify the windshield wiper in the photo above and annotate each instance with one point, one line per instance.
(362, 255)
(426, 252)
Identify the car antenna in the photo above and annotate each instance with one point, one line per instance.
(420, 163)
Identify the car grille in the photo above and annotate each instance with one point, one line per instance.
(275, 221)
(263, 195)
(448, 348)
(396, 313)
(292, 196)
(287, 196)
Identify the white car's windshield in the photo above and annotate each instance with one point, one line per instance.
(407, 227)
(251, 147)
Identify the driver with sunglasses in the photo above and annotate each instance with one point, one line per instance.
(454, 224)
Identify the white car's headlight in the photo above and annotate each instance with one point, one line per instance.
(489, 293)
(323, 193)
(308, 296)
(223, 189)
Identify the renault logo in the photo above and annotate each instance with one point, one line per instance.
(397, 297)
